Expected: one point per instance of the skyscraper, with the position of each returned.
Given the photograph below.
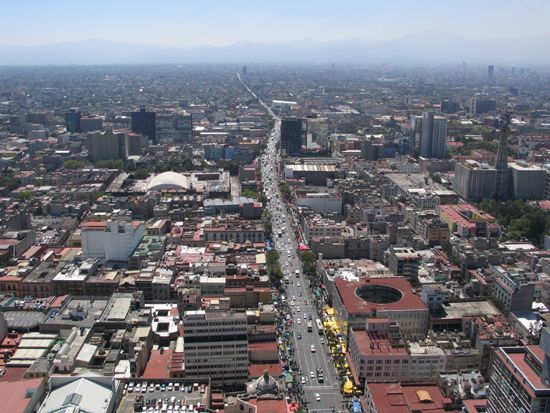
(433, 136)
(72, 120)
(490, 72)
(504, 173)
(292, 135)
(144, 122)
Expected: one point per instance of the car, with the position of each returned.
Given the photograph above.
(317, 397)
(303, 380)
(299, 285)
(312, 375)
(305, 316)
(299, 335)
(322, 340)
(312, 348)
(299, 321)
(297, 309)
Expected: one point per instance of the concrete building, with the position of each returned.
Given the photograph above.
(475, 181)
(433, 136)
(292, 136)
(110, 240)
(91, 123)
(216, 346)
(106, 145)
(144, 122)
(527, 181)
(392, 298)
(519, 379)
(320, 201)
(135, 145)
(403, 262)
(481, 104)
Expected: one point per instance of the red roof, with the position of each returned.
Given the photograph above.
(158, 366)
(356, 305)
(403, 398)
(14, 394)
(257, 370)
(93, 224)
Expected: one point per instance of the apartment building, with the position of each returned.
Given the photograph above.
(216, 346)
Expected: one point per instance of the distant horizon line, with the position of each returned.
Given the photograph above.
(269, 43)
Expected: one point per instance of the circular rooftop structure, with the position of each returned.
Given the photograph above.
(169, 180)
(379, 294)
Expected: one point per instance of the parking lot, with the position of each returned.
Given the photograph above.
(162, 396)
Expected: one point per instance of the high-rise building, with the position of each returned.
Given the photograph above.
(433, 136)
(216, 346)
(177, 126)
(72, 120)
(91, 123)
(110, 240)
(415, 124)
(449, 106)
(144, 122)
(106, 145)
(481, 104)
(475, 181)
(520, 378)
(504, 182)
(490, 72)
(292, 136)
(135, 144)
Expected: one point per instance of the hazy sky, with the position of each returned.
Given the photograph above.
(219, 22)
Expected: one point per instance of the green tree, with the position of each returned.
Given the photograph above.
(110, 164)
(249, 193)
(75, 164)
(141, 173)
(309, 260)
(24, 195)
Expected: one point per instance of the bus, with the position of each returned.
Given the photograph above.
(320, 328)
(309, 327)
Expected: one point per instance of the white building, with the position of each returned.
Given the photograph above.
(90, 392)
(110, 240)
(216, 346)
(320, 201)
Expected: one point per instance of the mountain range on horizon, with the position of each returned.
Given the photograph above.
(423, 48)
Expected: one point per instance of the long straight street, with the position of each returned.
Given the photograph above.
(310, 348)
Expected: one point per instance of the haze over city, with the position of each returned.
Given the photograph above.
(274, 206)
(402, 32)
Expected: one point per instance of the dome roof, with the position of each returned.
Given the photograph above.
(266, 385)
(169, 180)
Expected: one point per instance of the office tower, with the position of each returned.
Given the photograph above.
(475, 181)
(72, 120)
(433, 137)
(135, 144)
(177, 126)
(503, 189)
(490, 72)
(144, 122)
(415, 124)
(482, 104)
(292, 135)
(91, 123)
(216, 346)
(449, 106)
(106, 145)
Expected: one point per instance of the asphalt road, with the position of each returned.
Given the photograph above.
(286, 246)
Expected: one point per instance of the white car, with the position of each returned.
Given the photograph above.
(297, 309)
(299, 321)
(317, 397)
(312, 375)
(303, 380)
(312, 348)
